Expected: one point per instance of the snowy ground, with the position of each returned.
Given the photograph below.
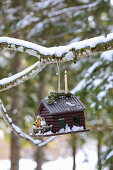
(86, 160)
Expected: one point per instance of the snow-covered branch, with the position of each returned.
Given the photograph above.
(52, 13)
(74, 9)
(71, 52)
(22, 76)
(80, 49)
(18, 131)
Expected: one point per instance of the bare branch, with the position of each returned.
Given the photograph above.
(18, 131)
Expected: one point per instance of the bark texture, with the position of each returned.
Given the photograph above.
(39, 154)
(99, 153)
(73, 142)
(16, 106)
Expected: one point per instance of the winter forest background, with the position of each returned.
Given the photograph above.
(52, 23)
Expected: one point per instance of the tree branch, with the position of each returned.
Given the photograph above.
(73, 9)
(18, 130)
(22, 76)
(74, 51)
(52, 14)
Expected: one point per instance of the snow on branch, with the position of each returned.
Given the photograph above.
(74, 9)
(51, 14)
(71, 52)
(22, 76)
(17, 130)
(81, 48)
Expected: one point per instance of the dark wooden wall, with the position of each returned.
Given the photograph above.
(53, 119)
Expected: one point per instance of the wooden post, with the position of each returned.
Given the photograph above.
(66, 85)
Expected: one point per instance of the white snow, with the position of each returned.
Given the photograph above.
(97, 82)
(48, 133)
(101, 95)
(68, 129)
(9, 119)
(3, 61)
(2, 135)
(61, 130)
(106, 87)
(46, 141)
(24, 22)
(59, 51)
(108, 55)
(17, 129)
(109, 37)
(4, 109)
(100, 107)
(24, 164)
(77, 128)
(110, 78)
(68, 56)
(45, 4)
(109, 155)
(88, 152)
(111, 1)
(18, 75)
(80, 85)
(73, 9)
(93, 105)
(92, 68)
(70, 104)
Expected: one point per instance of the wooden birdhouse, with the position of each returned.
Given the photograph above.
(63, 115)
(60, 113)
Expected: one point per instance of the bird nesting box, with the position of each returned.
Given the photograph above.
(63, 114)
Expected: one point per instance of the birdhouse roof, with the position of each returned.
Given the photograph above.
(63, 105)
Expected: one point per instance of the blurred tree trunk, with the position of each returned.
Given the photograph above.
(111, 166)
(39, 151)
(16, 117)
(39, 158)
(74, 148)
(74, 152)
(16, 102)
(99, 152)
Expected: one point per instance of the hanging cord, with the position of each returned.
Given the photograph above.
(58, 73)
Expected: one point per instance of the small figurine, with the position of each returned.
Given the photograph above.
(38, 121)
(40, 126)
